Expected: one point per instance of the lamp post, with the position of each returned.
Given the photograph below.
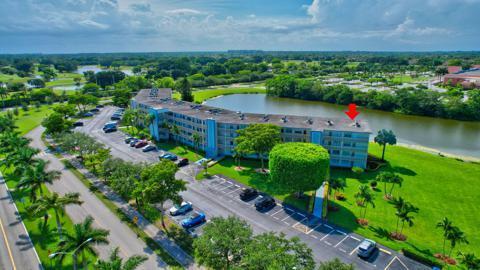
(73, 253)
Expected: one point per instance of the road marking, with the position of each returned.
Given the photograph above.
(344, 233)
(286, 223)
(328, 226)
(314, 228)
(354, 238)
(313, 236)
(385, 251)
(231, 191)
(300, 214)
(8, 245)
(237, 186)
(298, 222)
(226, 187)
(328, 243)
(286, 217)
(355, 249)
(326, 235)
(341, 241)
(342, 250)
(276, 213)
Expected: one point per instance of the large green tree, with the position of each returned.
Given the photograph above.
(185, 88)
(35, 177)
(158, 185)
(299, 167)
(56, 123)
(258, 139)
(223, 242)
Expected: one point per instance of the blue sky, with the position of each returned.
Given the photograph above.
(69, 26)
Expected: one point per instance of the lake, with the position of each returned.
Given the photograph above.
(82, 69)
(450, 136)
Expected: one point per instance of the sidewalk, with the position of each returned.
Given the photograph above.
(151, 230)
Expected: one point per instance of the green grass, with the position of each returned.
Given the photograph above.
(64, 79)
(407, 79)
(12, 78)
(45, 239)
(26, 121)
(180, 150)
(202, 95)
(439, 186)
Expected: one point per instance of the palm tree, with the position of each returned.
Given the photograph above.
(337, 184)
(81, 241)
(116, 263)
(404, 209)
(10, 141)
(6, 124)
(20, 159)
(57, 204)
(196, 141)
(469, 260)
(446, 226)
(456, 236)
(364, 197)
(395, 180)
(385, 137)
(36, 176)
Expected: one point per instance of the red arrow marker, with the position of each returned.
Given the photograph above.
(352, 111)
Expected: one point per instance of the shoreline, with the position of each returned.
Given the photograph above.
(438, 152)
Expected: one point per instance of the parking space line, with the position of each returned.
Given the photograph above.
(385, 251)
(313, 236)
(328, 226)
(276, 212)
(327, 235)
(300, 214)
(286, 217)
(225, 187)
(328, 243)
(395, 258)
(232, 191)
(218, 184)
(342, 250)
(355, 249)
(341, 241)
(311, 230)
(298, 222)
(355, 238)
(344, 233)
(237, 186)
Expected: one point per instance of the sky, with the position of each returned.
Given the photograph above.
(78, 26)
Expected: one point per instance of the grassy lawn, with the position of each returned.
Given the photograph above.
(438, 186)
(202, 95)
(65, 79)
(407, 79)
(30, 119)
(180, 150)
(12, 78)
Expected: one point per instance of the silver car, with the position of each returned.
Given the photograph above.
(366, 248)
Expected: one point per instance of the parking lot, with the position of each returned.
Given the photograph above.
(219, 196)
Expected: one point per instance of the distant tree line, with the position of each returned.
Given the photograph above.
(415, 101)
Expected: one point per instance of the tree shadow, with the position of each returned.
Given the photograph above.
(342, 216)
(381, 232)
(403, 170)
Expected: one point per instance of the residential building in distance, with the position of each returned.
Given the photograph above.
(346, 141)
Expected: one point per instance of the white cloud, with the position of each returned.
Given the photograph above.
(93, 24)
(184, 11)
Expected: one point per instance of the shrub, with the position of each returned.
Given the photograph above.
(421, 258)
(15, 111)
(25, 107)
(357, 170)
(298, 167)
(373, 184)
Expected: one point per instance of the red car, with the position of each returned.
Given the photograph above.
(141, 144)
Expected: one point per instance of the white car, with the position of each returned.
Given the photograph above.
(181, 209)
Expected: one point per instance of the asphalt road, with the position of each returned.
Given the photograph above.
(219, 197)
(120, 234)
(16, 248)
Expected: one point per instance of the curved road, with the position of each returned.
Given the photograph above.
(120, 234)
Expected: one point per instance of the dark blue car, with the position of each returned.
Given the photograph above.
(193, 220)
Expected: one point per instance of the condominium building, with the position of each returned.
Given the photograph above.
(346, 141)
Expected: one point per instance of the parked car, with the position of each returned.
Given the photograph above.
(129, 139)
(193, 220)
(110, 125)
(100, 106)
(182, 162)
(149, 148)
(366, 248)
(116, 117)
(133, 142)
(168, 156)
(78, 124)
(95, 110)
(181, 209)
(109, 130)
(264, 202)
(88, 114)
(248, 194)
(141, 144)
